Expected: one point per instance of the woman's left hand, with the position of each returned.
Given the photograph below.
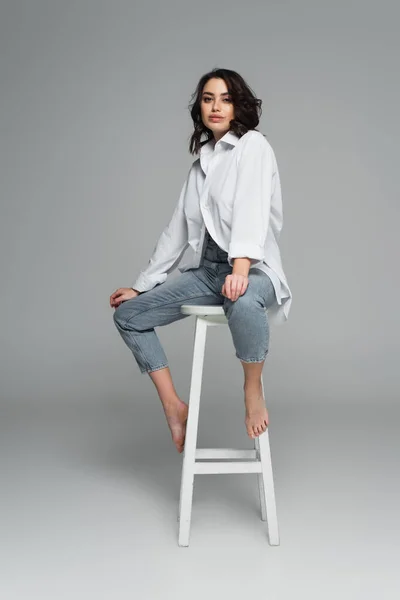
(234, 286)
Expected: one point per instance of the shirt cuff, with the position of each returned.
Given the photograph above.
(145, 284)
(243, 250)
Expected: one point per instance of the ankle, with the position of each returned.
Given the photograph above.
(252, 386)
(171, 402)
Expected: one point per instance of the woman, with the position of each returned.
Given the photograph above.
(229, 217)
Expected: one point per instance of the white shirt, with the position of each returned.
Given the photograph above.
(233, 189)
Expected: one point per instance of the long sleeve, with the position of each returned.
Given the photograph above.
(252, 200)
(168, 249)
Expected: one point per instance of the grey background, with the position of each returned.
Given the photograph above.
(94, 150)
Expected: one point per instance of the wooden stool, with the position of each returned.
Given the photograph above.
(257, 460)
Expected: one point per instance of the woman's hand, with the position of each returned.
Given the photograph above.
(234, 286)
(122, 294)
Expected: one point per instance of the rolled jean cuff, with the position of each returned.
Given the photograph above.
(151, 369)
(252, 360)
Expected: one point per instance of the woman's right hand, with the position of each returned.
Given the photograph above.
(121, 295)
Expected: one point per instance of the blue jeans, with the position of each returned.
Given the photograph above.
(247, 318)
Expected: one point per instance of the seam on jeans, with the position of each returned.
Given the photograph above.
(215, 275)
(168, 303)
(134, 343)
(139, 350)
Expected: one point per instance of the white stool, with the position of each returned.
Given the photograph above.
(257, 460)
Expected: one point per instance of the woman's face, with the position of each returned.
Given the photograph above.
(216, 102)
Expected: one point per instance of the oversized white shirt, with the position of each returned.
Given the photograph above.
(233, 189)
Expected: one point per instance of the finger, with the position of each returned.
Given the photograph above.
(118, 297)
(228, 289)
(233, 290)
(115, 298)
(242, 289)
(238, 291)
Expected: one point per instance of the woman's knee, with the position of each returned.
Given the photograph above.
(246, 304)
(124, 313)
(118, 316)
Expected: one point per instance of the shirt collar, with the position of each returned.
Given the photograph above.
(229, 137)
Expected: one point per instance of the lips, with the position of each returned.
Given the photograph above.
(216, 118)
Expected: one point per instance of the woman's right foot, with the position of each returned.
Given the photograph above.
(176, 414)
(256, 419)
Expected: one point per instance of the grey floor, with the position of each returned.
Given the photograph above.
(90, 494)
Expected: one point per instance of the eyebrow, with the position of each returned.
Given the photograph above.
(211, 94)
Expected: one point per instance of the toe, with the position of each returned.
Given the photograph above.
(249, 429)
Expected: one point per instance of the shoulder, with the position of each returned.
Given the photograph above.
(254, 143)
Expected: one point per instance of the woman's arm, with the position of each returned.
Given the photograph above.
(168, 249)
(252, 202)
(241, 266)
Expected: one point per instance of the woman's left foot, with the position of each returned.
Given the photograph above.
(256, 413)
(177, 414)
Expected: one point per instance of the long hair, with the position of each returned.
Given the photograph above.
(247, 107)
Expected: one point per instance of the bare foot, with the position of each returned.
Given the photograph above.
(176, 413)
(256, 413)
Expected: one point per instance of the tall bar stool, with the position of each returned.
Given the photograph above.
(219, 460)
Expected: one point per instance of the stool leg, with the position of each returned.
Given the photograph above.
(260, 483)
(267, 491)
(189, 456)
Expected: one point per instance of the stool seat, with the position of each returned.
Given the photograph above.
(197, 309)
(198, 461)
(214, 313)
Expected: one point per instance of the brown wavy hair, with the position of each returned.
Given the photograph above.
(247, 107)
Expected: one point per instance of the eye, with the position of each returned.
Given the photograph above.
(206, 98)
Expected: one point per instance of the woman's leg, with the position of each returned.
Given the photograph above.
(249, 326)
(136, 319)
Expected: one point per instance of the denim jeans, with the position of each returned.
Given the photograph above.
(247, 318)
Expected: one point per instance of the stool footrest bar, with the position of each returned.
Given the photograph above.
(224, 453)
(242, 466)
